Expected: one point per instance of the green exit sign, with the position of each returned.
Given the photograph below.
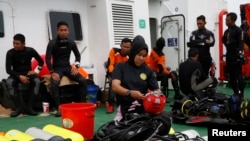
(142, 23)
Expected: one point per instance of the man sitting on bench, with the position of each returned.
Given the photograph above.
(18, 66)
(59, 50)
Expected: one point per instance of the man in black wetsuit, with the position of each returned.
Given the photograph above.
(18, 66)
(191, 76)
(59, 50)
(202, 39)
(233, 41)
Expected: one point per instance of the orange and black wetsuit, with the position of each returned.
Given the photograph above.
(114, 58)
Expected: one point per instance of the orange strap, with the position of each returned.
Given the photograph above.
(82, 71)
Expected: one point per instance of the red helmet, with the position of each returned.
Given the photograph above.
(154, 102)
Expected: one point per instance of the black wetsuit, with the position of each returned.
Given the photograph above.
(19, 63)
(198, 40)
(133, 77)
(233, 41)
(58, 51)
(186, 71)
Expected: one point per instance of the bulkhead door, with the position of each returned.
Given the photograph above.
(172, 30)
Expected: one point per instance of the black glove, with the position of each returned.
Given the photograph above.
(241, 58)
(215, 81)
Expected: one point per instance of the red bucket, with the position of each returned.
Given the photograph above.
(79, 117)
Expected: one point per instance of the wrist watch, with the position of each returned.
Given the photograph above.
(128, 93)
(39, 67)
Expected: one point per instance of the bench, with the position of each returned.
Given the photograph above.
(68, 88)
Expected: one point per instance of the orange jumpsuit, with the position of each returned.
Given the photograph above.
(114, 58)
(156, 61)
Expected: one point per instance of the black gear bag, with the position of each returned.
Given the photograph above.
(134, 127)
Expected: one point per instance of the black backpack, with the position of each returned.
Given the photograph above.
(134, 127)
(5, 99)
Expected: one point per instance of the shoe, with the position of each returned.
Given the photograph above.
(110, 109)
(31, 112)
(58, 113)
(16, 113)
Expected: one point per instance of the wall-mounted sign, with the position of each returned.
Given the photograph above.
(172, 42)
(142, 23)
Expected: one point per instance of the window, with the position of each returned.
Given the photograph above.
(73, 20)
(1, 25)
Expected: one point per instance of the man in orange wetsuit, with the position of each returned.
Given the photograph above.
(116, 55)
(156, 61)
